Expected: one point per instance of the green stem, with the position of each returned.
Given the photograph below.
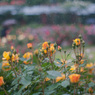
(5, 91)
(43, 88)
(13, 68)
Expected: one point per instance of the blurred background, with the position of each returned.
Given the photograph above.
(36, 21)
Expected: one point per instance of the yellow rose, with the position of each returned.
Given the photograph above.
(52, 49)
(27, 55)
(15, 57)
(6, 66)
(89, 65)
(82, 61)
(81, 69)
(36, 52)
(47, 79)
(74, 78)
(6, 55)
(77, 41)
(60, 78)
(45, 51)
(73, 68)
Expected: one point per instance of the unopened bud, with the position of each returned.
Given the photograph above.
(74, 43)
(80, 36)
(10, 54)
(59, 48)
(64, 51)
(55, 45)
(73, 46)
(49, 43)
(12, 47)
(14, 51)
(83, 42)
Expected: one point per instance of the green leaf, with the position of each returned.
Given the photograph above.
(91, 84)
(29, 68)
(0, 65)
(82, 65)
(52, 87)
(39, 93)
(15, 81)
(49, 92)
(22, 59)
(25, 82)
(65, 83)
(54, 73)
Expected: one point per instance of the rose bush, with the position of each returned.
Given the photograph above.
(37, 72)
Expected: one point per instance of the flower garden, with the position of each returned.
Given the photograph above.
(39, 71)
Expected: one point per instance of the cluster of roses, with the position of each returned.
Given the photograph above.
(48, 49)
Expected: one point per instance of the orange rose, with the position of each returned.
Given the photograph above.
(45, 45)
(12, 47)
(74, 78)
(1, 81)
(29, 45)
